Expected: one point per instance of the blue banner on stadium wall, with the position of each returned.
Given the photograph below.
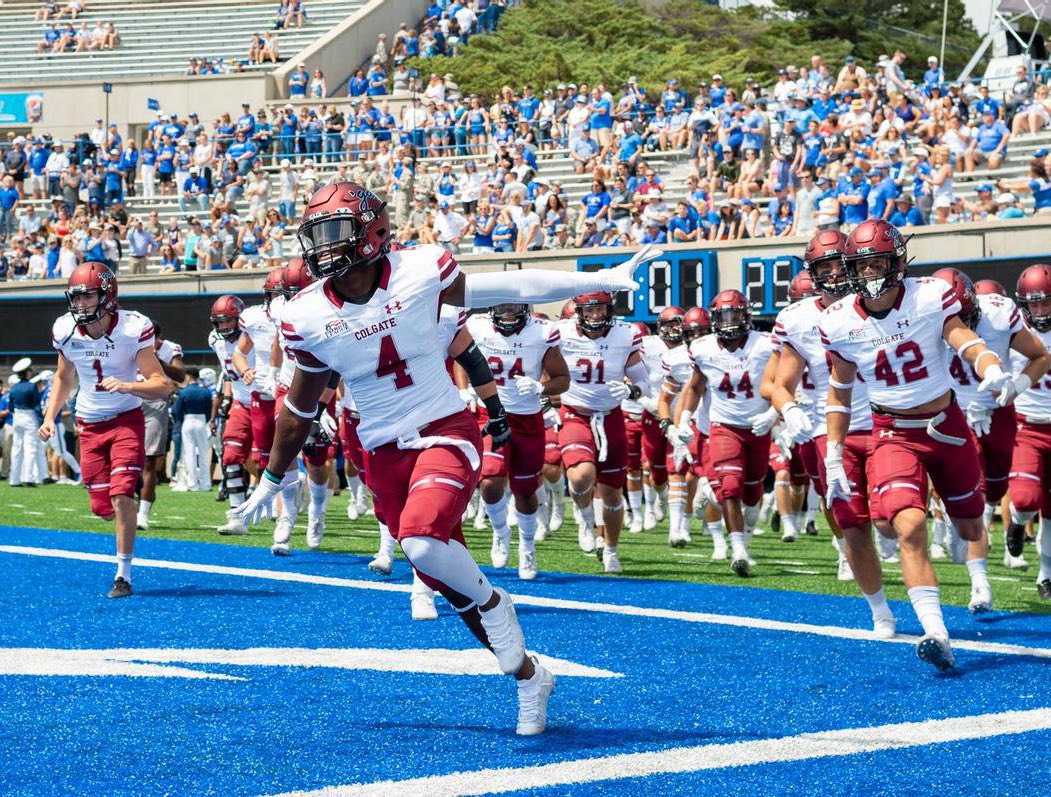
(687, 278)
(21, 108)
(765, 280)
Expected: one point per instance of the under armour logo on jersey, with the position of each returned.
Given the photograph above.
(393, 307)
(903, 323)
(886, 433)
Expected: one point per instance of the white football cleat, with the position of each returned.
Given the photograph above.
(362, 504)
(885, 627)
(422, 605)
(937, 552)
(533, 695)
(541, 530)
(611, 561)
(788, 535)
(499, 552)
(504, 633)
(280, 549)
(660, 509)
(649, 519)
(142, 523)
(636, 523)
(526, 563)
(479, 518)
(233, 526)
(1014, 562)
(283, 531)
(315, 532)
(957, 547)
(720, 552)
(558, 513)
(981, 599)
(382, 564)
(843, 571)
(352, 510)
(586, 537)
(935, 650)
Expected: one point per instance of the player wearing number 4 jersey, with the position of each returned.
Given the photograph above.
(373, 318)
(600, 352)
(892, 332)
(104, 347)
(999, 323)
(730, 364)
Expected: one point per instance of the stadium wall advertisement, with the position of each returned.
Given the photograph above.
(686, 275)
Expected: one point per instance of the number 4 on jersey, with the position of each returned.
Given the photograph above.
(744, 386)
(391, 364)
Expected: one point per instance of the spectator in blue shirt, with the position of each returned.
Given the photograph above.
(377, 78)
(114, 180)
(596, 202)
(753, 128)
(1036, 184)
(529, 106)
(881, 195)
(246, 121)
(630, 145)
(357, 86)
(934, 76)
(988, 144)
(243, 152)
(986, 103)
(683, 225)
(905, 215)
(585, 150)
(297, 82)
(287, 129)
(653, 234)
(194, 192)
(852, 193)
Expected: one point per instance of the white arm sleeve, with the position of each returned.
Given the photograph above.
(531, 286)
(639, 375)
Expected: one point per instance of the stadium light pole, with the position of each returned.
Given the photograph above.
(945, 22)
(107, 89)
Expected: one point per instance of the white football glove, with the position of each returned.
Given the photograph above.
(622, 277)
(470, 399)
(259, 503)
(329, 425)
(798, 425)
(619, 390)
(1019, 385)
(979, 418)
(836, 475)
(680, 454)
(764, 421)
(803, 400)
(680, 434)
(1001, 384)
(266, 379)
(649, 404)
(784, 443)
(528, 387)
(705, 491)
(552, 420)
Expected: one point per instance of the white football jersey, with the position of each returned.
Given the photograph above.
(733, 377)
(390, 350)
(1036, 401)
(653, 349)
(520, 354)
(114, 354)
(677, 367)
(902, 356)
(258, 324)
(999, 322)
(168, 351)
(224, 350)
(797, 326)
(593, 364)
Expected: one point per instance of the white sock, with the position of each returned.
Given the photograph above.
(387, 541)
(987, 515)
(800, 521)
(926, 602)
(1021, 518)
(813, 502)
(839, 545)
(557, 488)
(145, 507)
(676, 508)
(738, 546)
(612, 549)
(978, 569)
(450, 563)
(419, 587)
(938, 530)
(878, 604)
(587, 514)
(543, 500)
(649, 493)
(318, 499)
(715, 528)
(498, 517)
(1043, 545)
(635, 502)
(290, 501)
(790, 525)
(596, 510)
(124, 566)
(751, 516)
(526, 529)
(354, 485)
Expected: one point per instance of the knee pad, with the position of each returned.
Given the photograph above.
(235, 477)
(1025, 492)
(752, 493)
(897, 499)
(101, 503)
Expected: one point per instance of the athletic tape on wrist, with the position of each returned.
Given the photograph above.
(840, 385)
(968, 344)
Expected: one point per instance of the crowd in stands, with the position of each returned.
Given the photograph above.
(65, 38)
(821, 147)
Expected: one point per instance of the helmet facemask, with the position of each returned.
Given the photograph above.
(337, 242)
(868, 279)
(833, 282)
(731, 323)
(85, 315)
(588, 319)
(509, 318)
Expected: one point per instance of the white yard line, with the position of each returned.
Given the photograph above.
(677, 760)
(737, 621)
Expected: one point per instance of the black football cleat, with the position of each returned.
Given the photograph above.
(811, 528)
(1043, 589)
(775, 522)
(1015, 538)
(121, 588)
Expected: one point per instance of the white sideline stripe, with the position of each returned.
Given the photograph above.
(737, 621)
(825, 744)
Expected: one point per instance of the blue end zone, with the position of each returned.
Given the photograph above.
(286, 728)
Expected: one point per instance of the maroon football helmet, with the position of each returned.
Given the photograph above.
(344, 226)
(594, 299)
(801, 286)
(989, 287)
(297, 277)
(227, 308)
(1034, 285)
(274, 285)
(568, 310)
(669, 324)
(878, 241)
(541, 316)
(92, 278)
(824, 260)
(641, 328)
(696, 323)
(509, 318)
(731, 315)
(970, 312)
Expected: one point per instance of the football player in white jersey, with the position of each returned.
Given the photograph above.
(798, 341)
(527, 366)
(373, 318)
(104, 347)
(233, 406)
(999, 323)
(730, 365)
(1030, 480)
(892, 331)
(157, 416)
(600, 352)
(258, 330)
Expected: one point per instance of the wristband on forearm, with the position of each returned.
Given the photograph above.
(474, 364)
(272, 477)
(494, 406)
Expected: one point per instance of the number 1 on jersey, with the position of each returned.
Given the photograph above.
(97, 365)
(391, 363)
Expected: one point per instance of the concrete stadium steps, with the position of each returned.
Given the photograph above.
(159, 41)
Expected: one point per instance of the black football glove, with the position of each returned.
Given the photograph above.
(498, 429)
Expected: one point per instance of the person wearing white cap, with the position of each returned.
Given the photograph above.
(25, 421)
